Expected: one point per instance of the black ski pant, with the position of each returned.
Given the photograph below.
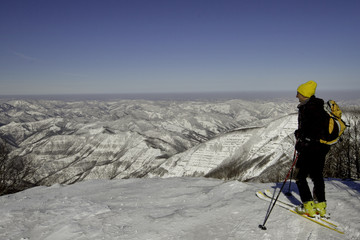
(310, 163)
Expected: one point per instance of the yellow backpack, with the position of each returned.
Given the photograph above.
(336, 125)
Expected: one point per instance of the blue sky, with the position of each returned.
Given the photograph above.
(139, 46)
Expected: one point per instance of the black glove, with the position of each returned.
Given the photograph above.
(299, 146)
(298, 134)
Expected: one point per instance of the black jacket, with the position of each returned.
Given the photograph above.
(312, 120)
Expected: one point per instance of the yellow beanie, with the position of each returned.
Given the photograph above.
(307, 89)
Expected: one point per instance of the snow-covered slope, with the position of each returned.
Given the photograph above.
(257, 148)
(172, 208)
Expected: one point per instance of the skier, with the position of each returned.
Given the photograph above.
(312, 120)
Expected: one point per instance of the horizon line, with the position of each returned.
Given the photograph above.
(176, 92)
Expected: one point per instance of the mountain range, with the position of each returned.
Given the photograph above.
(70, 141)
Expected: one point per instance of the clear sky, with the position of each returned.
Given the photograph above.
(148, 46)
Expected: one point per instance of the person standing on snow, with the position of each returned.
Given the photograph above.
(312, 122)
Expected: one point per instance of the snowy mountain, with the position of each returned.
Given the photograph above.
(70, 141)
(171, 208)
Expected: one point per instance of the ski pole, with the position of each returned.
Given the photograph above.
(292, 171)
(273, 204)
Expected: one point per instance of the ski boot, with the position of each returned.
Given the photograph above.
(308, 208)
(320, 208)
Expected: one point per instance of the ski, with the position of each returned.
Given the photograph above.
(291, 208)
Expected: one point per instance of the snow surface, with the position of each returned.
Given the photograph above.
(168, 208)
